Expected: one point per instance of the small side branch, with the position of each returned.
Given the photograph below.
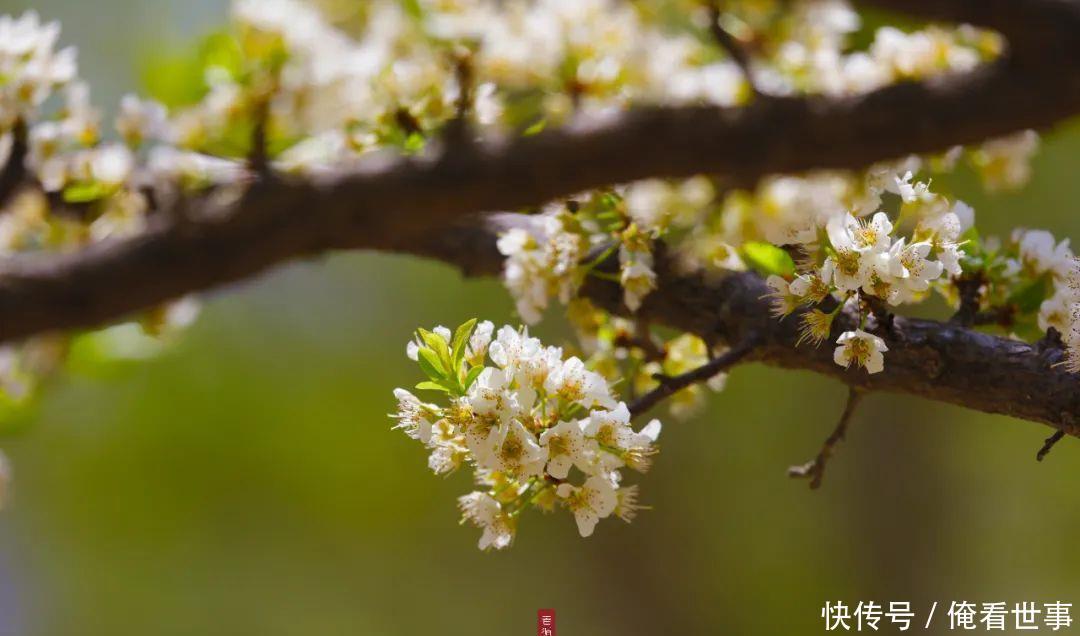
(814, 470)
(642, 339)
(259, 154)
(669, 385)
(1049, 444)
(969, 289)
(458, 129)
(731, 45)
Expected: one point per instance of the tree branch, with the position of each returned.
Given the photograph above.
(814, 470)
(1048, 445)
(669, 385)
(940, 361)
(428, 206)
(386, 202)
(731, 46)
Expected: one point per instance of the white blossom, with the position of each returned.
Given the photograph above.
(112, 164)
(141, 120)
(412, 416)
(479, 341)
(565, 444)
(636, 274)
(483, 511)
(1005, 163)
(1039, 251)
(910, 265)
(784, 301)
(592, 501)
(861, 349)
(513, 450)
(574, 383)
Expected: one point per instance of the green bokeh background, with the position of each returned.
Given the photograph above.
(246, 481)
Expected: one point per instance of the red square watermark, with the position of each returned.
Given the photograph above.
(545, 622)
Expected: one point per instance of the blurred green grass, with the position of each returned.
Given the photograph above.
(247, 480)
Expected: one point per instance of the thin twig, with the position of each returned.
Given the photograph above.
(731, 45)
(642, 339)
(1050, 341)
(884, 317)
(458, 129)
(969, 289)
(1049, 444)
(671, 384)
(1002, 316)
(259, 154)
(814, 470)
(464, 76)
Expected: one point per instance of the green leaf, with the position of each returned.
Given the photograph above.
(431, 386)
(222, 50)
(86, 192)
(173, 78)
(413, 9)
(461, 338)
(439, 346)
(1027, 328)
(472, 375)
(430, 364)
(767, 258)
(535, 129)
(1027, 298)
(414, 143)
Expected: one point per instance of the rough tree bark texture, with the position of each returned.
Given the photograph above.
(431, 206)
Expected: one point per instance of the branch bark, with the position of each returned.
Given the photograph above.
(670, 385)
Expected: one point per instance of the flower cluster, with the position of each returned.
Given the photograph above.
(540, 431)
(31, 66)
(553, 255)
(1045, 269)
(73, 184)
(65, 149)
(858, 257)
(542, 260)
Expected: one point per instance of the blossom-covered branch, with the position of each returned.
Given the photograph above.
(670, 385)
(935, 360)
(384, 202)
(387, 202)
(749, 176)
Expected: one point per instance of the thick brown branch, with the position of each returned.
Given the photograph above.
(386, 203)
(931, 359)
(1031, 26)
